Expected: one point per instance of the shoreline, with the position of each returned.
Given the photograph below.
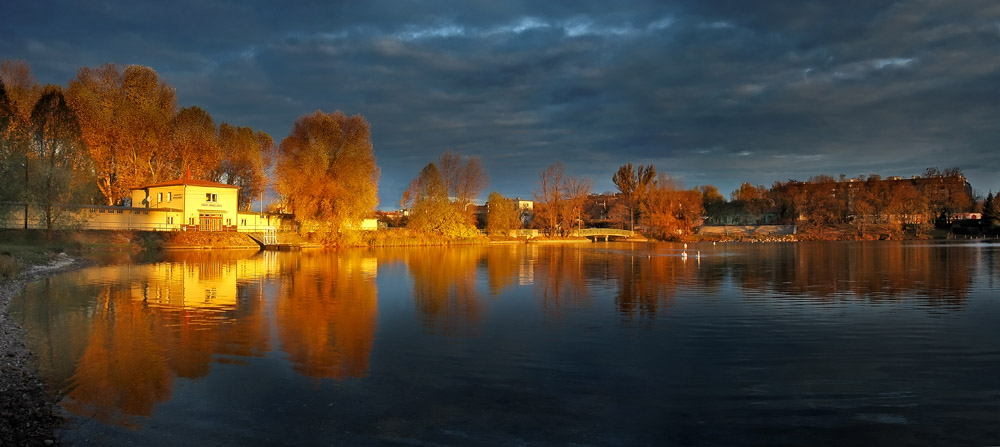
(30, 411)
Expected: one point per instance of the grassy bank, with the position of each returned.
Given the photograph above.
(20, 250)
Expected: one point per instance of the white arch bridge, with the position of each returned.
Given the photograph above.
(605, 234)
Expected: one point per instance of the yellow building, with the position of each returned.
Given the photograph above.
(203, 205)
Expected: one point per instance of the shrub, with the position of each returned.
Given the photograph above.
(9, 268)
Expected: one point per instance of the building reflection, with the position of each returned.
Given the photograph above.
(115, 337)
(143, 325)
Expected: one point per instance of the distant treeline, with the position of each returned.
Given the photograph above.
(862, 207)
(114, 128)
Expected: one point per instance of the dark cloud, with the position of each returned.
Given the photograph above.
(710, 91)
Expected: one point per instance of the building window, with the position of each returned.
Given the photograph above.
(209, 197)
(118, 211)
(170, 220)
(229, 222)
(243, 222)
(159, 197)
(191, 221)
(170, 197)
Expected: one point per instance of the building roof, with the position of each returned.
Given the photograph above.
(188, 182)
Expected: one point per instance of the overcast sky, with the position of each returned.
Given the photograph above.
(711, 92)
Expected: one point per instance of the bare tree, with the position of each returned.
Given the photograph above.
(560, 199)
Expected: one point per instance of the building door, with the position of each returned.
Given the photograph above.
(210, 222)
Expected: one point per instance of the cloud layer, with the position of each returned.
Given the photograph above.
(709, 91)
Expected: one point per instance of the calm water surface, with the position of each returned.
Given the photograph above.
(588, 345)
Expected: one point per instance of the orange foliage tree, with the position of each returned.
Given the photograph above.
(560, 199)
(671, 210)
(193, 139)
(326, 169)
(245, 156)
(125, 115)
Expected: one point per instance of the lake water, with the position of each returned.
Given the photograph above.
(605, 344)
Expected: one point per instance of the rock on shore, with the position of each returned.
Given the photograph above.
(28, 415)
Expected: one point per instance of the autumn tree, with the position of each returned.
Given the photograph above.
(326, 169)
(11, 154)
(502, 216)
(431, 211)
(22, 89)
(22, 93)
(671, 210)
(463, 177)
(61, 167)
(560, 199)
(193, 139)
(245, 156)
(634, 185)
(126, 117)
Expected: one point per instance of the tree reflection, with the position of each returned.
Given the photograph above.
(646, 285)
(146, 325)
(562, 272)
(123, 370)
(444, 288)
(503, 266)
(327, 314)
(872, 271)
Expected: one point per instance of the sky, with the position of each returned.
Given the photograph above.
(714, 92)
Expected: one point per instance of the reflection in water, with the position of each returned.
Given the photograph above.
(875, 272)
(123, 368)
(647, 285)
(327, 314)
(444, 287)
(561, 273)
(142, 325)
(116, 337)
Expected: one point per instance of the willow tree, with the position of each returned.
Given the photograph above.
(326, 169)
(245, 156)
(125, 118)
(60, 165)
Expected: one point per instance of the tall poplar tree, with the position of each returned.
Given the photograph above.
(60, 165)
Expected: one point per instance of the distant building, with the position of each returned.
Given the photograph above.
(524, 204)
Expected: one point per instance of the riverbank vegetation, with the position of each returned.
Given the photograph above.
(115, 127)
